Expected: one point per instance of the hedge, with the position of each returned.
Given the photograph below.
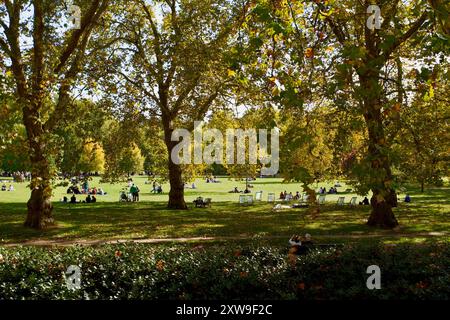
(133, 271)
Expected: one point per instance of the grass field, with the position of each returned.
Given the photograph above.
(425, 218)
(217, 191)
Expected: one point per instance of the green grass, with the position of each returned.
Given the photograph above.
(109, 220)
(217, 191)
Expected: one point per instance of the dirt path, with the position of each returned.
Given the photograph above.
(65, 243)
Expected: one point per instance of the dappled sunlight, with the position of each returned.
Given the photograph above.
(113, 220)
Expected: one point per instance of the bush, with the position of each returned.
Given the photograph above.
(131, 271)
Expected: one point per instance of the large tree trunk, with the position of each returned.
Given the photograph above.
(40, 209)
(39, 205)
(382, 215)
(176, 194)
(384, 196)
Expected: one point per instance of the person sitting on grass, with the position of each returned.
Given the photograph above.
(407, 198)
(199, 202)
(88, 199)
(11, 188)
(247, 191)
(123, 196)
(365, 202)
(301, 245)
(282, 197)
(73, 199)
(4, 187)
(235, 190)
(159, 189)
(94, 199)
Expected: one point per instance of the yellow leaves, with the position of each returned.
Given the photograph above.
(160, 265)
(397, 107)
(326, 14)
(276, 91)
(431, 92)
(309, 53)
(231, 73)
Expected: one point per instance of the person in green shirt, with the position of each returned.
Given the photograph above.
(133, 191)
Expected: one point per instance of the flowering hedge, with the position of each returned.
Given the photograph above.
(220, 272)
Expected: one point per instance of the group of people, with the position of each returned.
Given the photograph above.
(18, 176)
(289, 196)
(132, 195)
(332, 190)
(212, 179)
(10, 188)
(236, 190)
(73, 199)
(192, 186)
(90, 191)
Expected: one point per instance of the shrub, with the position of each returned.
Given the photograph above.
(133, 271)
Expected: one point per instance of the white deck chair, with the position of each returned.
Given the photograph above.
(305, 198)
(353, 202)
(258, 196)
(340, 201)
(242, 200)
(250, 199)
(271, 197)
(321, 199)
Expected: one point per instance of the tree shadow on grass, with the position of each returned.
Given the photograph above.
(109, 221)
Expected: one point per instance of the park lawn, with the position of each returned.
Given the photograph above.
(219, 192)
(110, 220)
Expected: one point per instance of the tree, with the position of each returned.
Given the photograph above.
(173, 64)
(49, 65)
(92, 158)
(305, 148)
(131, 160)
(423, 143)
(367, 53)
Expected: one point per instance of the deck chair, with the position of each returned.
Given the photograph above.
(353, 202)
(250, 200)
(258, 196)
(321, 199)
(242, 200)
(305, 198)
(340, 201)
(271, 197)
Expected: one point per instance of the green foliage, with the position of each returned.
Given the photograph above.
(256, 272)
